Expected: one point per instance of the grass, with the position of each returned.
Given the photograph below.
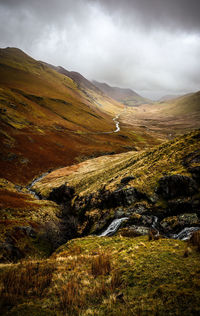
(25, 280)
(108, 276)
(101, 265)
(49, 122)
(146, 168)
(195, 240)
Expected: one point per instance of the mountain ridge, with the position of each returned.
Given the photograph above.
(124, 95)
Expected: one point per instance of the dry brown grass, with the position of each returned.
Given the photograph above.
(101, 264)
(28, 280)
(116, 280)
(70, 298)
(195, 239)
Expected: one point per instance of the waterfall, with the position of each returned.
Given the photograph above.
(185, 233)
(113, 227)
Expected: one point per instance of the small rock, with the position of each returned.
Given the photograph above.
(126, 180)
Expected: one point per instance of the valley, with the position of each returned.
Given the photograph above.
(99, 196)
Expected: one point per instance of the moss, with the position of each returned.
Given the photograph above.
(30, 309)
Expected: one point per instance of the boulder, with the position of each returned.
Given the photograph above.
(62, 194)
(126, 180)
(9, 252)
(175, 186)
(176, 223)
(140, 220)
(27, 230)
(180, 206)
(134, 231)
(195, 172)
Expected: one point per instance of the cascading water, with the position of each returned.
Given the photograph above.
(185, 234)
(113, 227)
(32, 184)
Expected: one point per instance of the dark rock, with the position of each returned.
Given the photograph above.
(62, 194)
(176, 186)
(195, 171)
(139, 208)
(134, 231)
(27, 230)
(126, 180)
(120, 213)
(123, 197)
(176, 223)
(106, 199)
(140, 220)
(192, 158)
(180, 206)
(10, 252)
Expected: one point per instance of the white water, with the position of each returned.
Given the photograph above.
(185, 234)
(113, 227)
(116, 123)
(34, 182)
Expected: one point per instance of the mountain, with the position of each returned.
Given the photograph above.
(97, 216)
(186, 104)
(166, 118)
(126, 96)
(169, 97)
(49, 120)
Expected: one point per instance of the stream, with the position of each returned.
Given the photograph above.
(113, 227)
(29, 187)
(184, 234)
(115, 119)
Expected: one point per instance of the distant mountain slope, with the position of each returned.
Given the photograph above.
(47, 121)
(126, 96)
(89, 90)
(169, 97)
(185, 104)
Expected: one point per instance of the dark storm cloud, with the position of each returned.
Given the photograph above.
(149, 45)
(181, 14)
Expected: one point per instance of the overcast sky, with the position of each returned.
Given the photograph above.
(151, 46)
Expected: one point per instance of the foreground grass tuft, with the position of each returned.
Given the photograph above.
(101, 264)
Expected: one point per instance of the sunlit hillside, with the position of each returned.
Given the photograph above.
(48, 121)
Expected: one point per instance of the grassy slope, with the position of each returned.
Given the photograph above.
(183, 105)
(20, 209)
(47, 121)
(106, 276)
(147, 167)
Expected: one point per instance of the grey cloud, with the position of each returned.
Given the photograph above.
(151, 46)
(182, 14)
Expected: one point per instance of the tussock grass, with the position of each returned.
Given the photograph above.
(140, 278)
(25, 280)
(101, 264)
(195, 239)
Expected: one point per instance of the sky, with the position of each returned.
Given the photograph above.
(150, 46)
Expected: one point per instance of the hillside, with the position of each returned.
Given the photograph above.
(48, 121)
(185, 104)
(99, 214)
(168, 118)
(126, 96)
(155, 195)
